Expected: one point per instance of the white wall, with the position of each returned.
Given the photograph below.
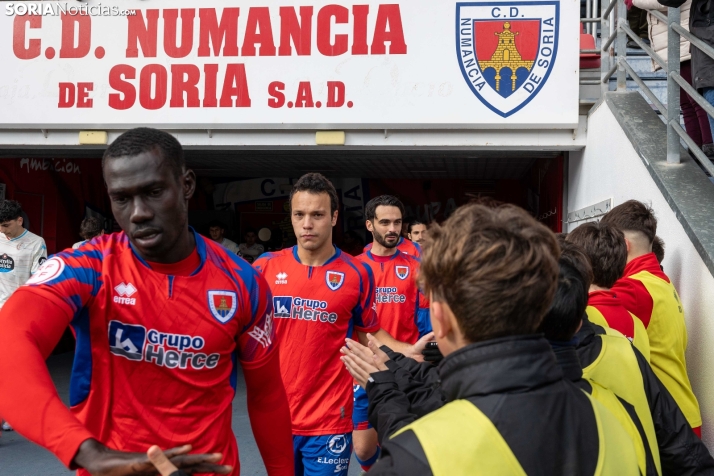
(609, 167)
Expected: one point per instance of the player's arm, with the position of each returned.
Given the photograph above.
(39, 255)
(423, 318)
(267, 401)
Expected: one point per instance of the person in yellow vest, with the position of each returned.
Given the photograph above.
(606, 249)
(491, 275)
(649, 294)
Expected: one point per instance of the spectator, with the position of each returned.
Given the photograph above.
(637, 19)
(249, 249)
(649, 294)
(499, 376)
(90, 227)
(217, 230)
(695, 118)
(417, 232)
(21, 254)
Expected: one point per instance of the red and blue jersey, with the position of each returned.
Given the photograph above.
(402, 309)
(405, 246)
(316, 308)
(156, 356)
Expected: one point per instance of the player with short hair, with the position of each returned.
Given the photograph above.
(320, 295)
(162, 318)
(417, 232)
(402, 309)
(408, 246)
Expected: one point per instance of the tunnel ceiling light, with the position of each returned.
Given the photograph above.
(330, 138)
(93, 137)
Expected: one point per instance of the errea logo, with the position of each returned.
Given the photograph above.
(125, 291)
(282, 278)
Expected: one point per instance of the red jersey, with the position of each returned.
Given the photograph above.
(402, 309)
(316, 308)
(156, 355)
(405, 246)
(605, 309)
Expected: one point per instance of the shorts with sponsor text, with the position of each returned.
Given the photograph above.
(325, 455)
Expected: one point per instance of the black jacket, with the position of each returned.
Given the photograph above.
(680, 449)
(546, 420)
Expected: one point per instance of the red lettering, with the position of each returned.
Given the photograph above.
(210, 72)
(184, 79)
(299, 31)
(324, 30)
(117, 82)
(83, 90)
(66, 95)
(258, 30)
(235, 85)
(215, 33)
(19, 37)
(277, 98)
(170, 36)
(142, 33)
(84, 24)
(304, 95)
(359, 41)
(389, 16)
(335, 94)
(153, 76)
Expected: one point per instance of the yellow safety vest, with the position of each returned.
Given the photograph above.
(616, 369)
(641, 339)
(668, 343)
(459, 440)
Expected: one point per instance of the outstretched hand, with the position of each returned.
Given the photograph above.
(360, 361)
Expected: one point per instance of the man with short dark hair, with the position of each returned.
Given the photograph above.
(417, 232)
(162, 318)
(250, 249)
(403, 245)
(606, 250)
(649, 294)
(88, 229)
(499, 376)
(217, 232)
(321, 295)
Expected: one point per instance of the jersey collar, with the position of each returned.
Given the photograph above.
(18, 237)
(200, 247)
(393, 257)
(337, 254)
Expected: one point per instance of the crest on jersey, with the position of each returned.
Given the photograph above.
(506, 50)
(402, 272)
(334, 280)
(223, 305)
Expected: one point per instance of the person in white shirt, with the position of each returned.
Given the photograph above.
(217, 230)
(250, 250)
(21, 254)
(90, 227)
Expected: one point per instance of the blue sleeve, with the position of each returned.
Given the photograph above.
(423, 317)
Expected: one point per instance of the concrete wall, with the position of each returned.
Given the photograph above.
(609, 167)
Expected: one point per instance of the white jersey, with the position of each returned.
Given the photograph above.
(19, 259)
(230, 245)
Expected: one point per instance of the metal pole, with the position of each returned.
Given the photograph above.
(605, 60)
(621, 45)
(673, 17)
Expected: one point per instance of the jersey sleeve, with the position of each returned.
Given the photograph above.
(39, 255)
(423, 318)
(364, 315)
(256, 340)
(635, 297)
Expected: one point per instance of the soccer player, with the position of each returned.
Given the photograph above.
(320, 295)
(417, 232)
(606, 250)
(408, 246)
(648, 293)
(402, 309)
(162, 318)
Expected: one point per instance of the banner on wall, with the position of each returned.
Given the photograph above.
(300, 64)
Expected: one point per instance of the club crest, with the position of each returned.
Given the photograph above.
(506, 50)
(223, 305)
(402, 272)
(334, 280)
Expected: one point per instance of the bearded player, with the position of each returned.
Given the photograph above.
(162, 319)
(320, 296)
(402, 310)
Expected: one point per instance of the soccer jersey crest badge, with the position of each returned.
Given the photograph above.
(223, 305)
(506, 50)
(334, 280)
(402, 271)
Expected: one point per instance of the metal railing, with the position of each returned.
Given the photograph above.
(614, 31)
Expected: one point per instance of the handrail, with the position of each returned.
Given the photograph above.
(648, 92)
(644, 47)
(708, 50)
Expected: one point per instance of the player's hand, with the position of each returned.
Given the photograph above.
(102, 461)
(380, 357)
(359, 361)
(415, 351)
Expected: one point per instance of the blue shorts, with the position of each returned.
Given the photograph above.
(360, 412)
(326, 455)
